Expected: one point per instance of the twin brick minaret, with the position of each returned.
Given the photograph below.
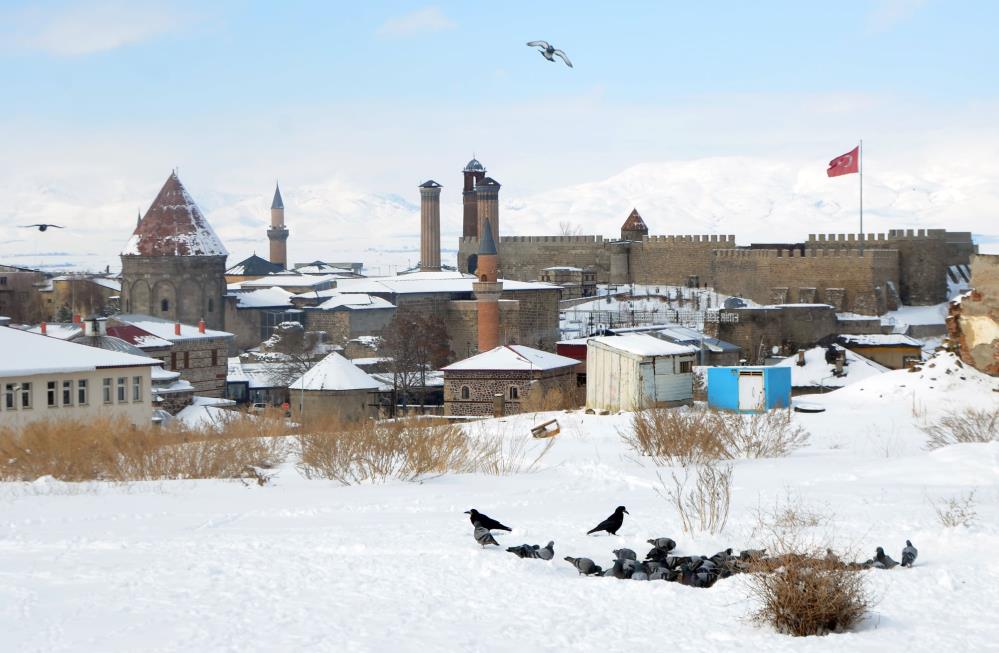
(278, 233)
(430, 226)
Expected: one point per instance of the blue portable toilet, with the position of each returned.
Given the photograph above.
(749, 389)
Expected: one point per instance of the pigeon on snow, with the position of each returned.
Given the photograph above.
(612, 523)
(524, 550)
(483, 536)
(884, 561)
(549, 52)
(909, 554)
(664, 543)
(547, 552)
(485, 521)
(584, 566)
(625, 554)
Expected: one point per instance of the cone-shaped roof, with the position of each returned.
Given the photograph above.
(174, 226)
(634, 222)
(430, 183)
(278, 203)
(486, 243)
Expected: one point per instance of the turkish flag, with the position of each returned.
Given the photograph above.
(845, 164)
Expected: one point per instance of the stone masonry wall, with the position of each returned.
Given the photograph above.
(524, 257)
(192, 286)
(483, 385)
(757, 330)
(671, 260)
(208, 380)
(973, 322)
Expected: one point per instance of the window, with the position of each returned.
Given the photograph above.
(121, 389)
(8, 401)
(106, 390)
(215, 357)
(173, 360)
(685, 367)
(514, 392)
(187, 360)
(67, 393)
(81, 392)
(25, 395)
(50, 394)
(136, 388)
(164, 305)
(3, 281)
(465, 392)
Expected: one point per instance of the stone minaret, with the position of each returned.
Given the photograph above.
(430, 226)
(487, 291)
(473, 173)
(278, 233)
(487, 199)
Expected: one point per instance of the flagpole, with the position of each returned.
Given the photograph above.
(860, 162)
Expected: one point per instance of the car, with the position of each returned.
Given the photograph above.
(258, 407)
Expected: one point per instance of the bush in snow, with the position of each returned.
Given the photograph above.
(963, 426)
(956, 511)
(704, 503)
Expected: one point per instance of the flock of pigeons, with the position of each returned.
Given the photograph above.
(660, 562)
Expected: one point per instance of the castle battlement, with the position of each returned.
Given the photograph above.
(893, 235)
(700, 238)
(882, 254)
(556, 240)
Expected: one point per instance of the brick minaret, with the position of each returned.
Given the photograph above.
(487, 291)
(278, 233)
(430, 226)
(473, 173)
(487, 196)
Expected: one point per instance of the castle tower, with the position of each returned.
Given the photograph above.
(473, 174)
(487, 199)
(634, 227)
(278, 233)
(430, 226)
(487, 290)
(173, 266)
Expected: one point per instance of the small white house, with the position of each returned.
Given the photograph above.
(634, 371)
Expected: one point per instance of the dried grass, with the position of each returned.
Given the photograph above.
(538, 401)
(956, 511)
(704, 504)
(963, 426)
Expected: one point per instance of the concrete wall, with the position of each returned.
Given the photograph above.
(138, 412)
(973, 322)
(193, 287)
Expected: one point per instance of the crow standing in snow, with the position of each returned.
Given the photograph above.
(483, 536)
(909, 554)
(612, 523)
(549, 52)
(486, 521)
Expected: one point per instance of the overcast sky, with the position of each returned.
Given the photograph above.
(101, 99)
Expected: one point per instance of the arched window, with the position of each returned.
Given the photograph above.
(465, 392)
(514, 392)
(484, 278)
(164, 305)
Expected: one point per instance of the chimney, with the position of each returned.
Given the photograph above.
(430, 226)
(43, 329)
(801, 357)
(201, 326)
(77, 319)
(176, 328)
(839, 363)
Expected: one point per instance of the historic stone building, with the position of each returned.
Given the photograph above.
(173, 266)
(973, 320)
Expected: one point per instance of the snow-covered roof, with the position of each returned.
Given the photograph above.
(136, 336)
(816, 372)
(334, 373)
(27, 353)
(174, 226)
(166, 329)
(563, 268)
(644, 345)
(60, 330)
(354, 301)
(290, 280)
(512, 357)
(110, 284)
(429, 282)
(264, 298)
(253, 265)
(256, 375)
(880, 340)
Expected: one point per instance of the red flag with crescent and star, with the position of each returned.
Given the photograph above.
(845, 164)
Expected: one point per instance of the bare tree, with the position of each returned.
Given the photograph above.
(567, 228)
(415, 342)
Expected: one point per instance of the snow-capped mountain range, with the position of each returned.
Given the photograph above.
(758, 200)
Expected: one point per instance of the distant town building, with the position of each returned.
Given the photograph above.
(334, 387)
(634, 371)
(575, 282)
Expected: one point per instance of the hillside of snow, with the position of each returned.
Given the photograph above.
(758, 200)
(309, 565)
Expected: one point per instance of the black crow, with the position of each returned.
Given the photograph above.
(486, 521)
(612, 523)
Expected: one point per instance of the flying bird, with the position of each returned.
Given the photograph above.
(40, 227)
(483, 536)
(549, 52)
(909, 554)
(486, 521)
(612, 523)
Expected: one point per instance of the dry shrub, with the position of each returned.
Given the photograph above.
(406, 449)
(695, 435)
(541, 401)
(803, 595)
(116, 450)
(956, 511)
(704, 505)
(963, 426)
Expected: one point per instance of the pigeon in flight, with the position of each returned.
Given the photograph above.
(486, 521)
(612, 523)
(909, 554)
(40, 227)
(483, 536)
(549, 52)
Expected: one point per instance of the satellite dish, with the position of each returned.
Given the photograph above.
(775, 350)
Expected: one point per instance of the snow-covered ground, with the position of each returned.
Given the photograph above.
(309, 565)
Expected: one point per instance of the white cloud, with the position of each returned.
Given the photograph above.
(889, 13)
(427, 19)
(79, 28)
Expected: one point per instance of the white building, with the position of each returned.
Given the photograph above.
(48, 378)
(634, 371)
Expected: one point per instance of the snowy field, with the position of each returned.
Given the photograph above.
(308, 565)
